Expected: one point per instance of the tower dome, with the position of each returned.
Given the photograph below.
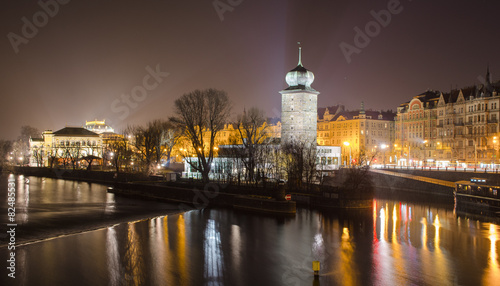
(299, 77)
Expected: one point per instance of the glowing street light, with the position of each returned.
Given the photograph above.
(423, 147)
(383, 147)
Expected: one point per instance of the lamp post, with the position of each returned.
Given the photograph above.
(409, 154)
(424, 150)
(350, 159)
(383, 147)
(495, 149)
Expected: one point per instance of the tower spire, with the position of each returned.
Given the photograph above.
(300, 54)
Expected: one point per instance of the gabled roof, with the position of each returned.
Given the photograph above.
(430, 96)
(75, 131)
(331, 109)
(370, 114)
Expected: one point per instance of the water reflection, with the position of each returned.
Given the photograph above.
(394, 243)
(113, 256)
(492, 273)
(214, 264)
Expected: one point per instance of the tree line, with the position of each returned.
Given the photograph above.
(199, 118)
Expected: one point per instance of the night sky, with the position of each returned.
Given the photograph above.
(83, 58)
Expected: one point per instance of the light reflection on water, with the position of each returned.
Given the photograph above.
(394, 243)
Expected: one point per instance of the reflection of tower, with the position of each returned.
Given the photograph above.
(299, 106)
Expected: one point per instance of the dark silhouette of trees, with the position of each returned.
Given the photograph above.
(300, 163)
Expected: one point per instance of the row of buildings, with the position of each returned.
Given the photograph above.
(431, 129)
(455, 128)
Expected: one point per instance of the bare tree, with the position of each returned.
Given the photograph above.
(37, 153)
(171, 137)
(310, 163)
(300, 163)
(5, 149)
(358, 180)
(22, 144)
(52, 156)
(144, 142)
(122, 151)
(73, 153)
(92, 153)
(166, 134)
(200, 113)
(252, 132)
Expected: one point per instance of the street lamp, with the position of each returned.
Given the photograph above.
(495, 149)
(424, 150)
(350, 159)
(383, 146)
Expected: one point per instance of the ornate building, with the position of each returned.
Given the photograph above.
(299, 103)
(98, 126)
(69, 143)
(446, 129)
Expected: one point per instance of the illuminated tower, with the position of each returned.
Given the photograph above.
(299, 106)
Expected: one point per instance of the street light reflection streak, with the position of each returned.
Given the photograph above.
(492, 273)
(157, 250)
(382, 258)
(399, 261)
(181, 242)
(348, 265)
(113, 256)
(236, 246)
(214, 264)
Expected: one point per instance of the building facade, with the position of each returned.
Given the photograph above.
(69, 143)
(459, 128)
(359, 132)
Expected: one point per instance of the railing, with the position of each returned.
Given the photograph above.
(496, 169)
(417, 178)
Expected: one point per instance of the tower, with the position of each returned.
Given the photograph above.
(299, 106)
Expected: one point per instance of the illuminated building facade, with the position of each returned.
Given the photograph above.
(446, 129)
(66, 143)
(98, 126)
(358, 132)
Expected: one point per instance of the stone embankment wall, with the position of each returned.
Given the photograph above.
(394, 184)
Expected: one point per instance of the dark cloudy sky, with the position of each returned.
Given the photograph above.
(80, 62)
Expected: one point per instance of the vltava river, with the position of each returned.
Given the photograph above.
(394, 243)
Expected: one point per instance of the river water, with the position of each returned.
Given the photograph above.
(393, 243)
